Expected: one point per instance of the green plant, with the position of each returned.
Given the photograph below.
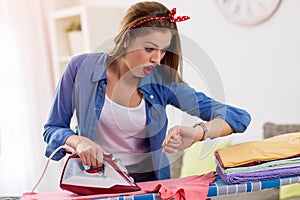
(73, 26)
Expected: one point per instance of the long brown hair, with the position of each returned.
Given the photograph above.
(144, 10)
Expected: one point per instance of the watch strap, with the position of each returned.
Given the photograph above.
(204, 128)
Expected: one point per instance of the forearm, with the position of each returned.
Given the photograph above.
(181, 137)
(215, 128)
(73, 141)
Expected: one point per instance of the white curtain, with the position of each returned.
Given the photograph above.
(26, 95)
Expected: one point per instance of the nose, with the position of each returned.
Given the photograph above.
(156, 56)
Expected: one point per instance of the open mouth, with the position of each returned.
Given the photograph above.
(148, 70)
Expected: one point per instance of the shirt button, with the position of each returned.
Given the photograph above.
(151, 97)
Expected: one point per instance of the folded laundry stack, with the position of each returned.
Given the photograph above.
(271, 158)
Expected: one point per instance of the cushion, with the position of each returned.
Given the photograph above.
(270, 130)
(200, 159)
(289, 191)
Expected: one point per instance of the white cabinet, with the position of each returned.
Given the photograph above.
(98, 25)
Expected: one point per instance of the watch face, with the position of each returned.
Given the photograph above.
(248, 12)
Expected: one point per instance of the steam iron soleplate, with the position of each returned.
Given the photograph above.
(114, 178)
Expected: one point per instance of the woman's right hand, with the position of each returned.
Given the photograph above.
(90, 153)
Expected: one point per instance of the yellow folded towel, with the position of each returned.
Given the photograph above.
(274, 148)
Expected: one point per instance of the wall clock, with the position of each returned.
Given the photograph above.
(248, 12)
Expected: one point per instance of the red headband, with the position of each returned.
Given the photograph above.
(171, 18)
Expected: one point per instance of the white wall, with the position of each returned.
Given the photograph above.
(259, 66)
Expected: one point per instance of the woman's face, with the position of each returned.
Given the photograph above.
(145, 52)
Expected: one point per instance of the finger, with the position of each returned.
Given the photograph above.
(88, 160)
(164, 143)
(168, 149)
(170, 141)
(99, 158)
(174, 145)
(94, 159)
(177, 139)
(83, 160)
(170, 134)
(83, 157)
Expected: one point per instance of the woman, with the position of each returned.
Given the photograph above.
(120, 99)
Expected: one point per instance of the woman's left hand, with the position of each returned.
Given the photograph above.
(179, 138)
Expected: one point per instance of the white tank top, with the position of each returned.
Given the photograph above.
(122, 130)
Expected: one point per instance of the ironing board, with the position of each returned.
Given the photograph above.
(220, 188)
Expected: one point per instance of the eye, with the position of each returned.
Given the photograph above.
(163, 51)
(149, 49)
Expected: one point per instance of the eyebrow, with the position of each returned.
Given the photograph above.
(157, 45)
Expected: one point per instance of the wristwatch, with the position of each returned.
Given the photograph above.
(202, 124)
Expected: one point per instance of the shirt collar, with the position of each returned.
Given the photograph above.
(100, 70)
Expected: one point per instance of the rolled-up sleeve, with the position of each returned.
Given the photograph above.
(198, 104)
(237, 118)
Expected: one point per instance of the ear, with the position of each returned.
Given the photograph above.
(126, 41)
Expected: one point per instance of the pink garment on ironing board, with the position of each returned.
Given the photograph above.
(188, 188)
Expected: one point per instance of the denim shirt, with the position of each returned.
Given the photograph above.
(82, 89)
